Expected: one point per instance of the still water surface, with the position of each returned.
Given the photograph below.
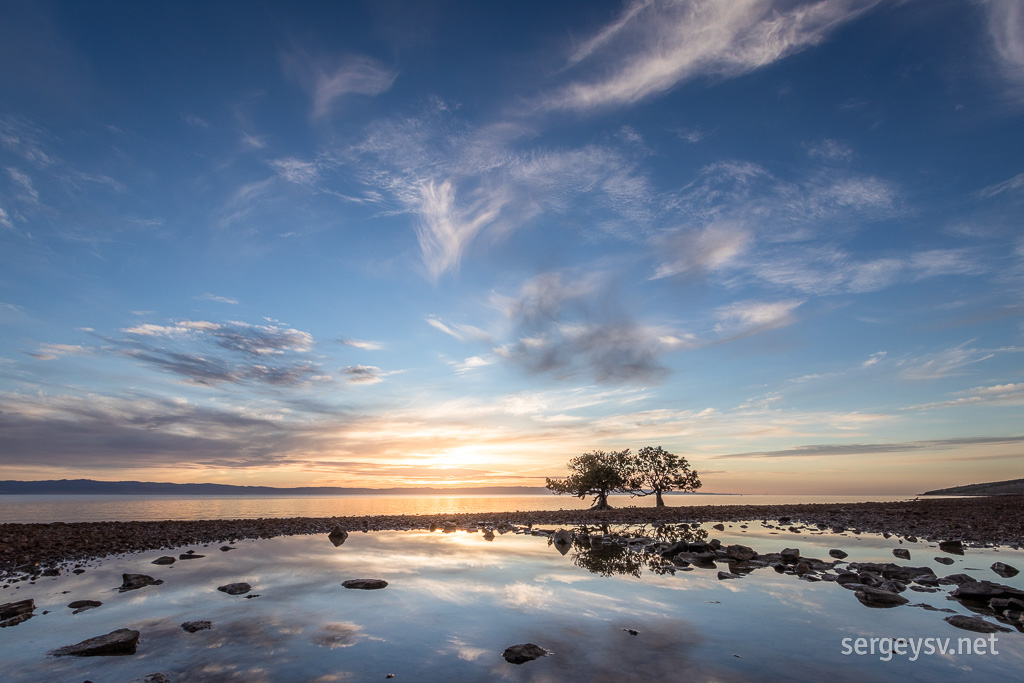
(88, 508)
(455, 601)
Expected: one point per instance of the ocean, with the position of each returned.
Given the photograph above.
(127, 508)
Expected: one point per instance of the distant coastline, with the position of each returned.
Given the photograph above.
(137, 488)
(1009, 487)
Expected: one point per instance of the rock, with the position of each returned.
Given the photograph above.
(152, 678)
(525, 652)
(727, 575)
(740, 552)
(838, 554)
(876, 597)
(82, 605)
(719, 527)
(193, 626)
(943, 560)
(13, 613)
(130, 582)
(1005, 570)
(976, 624)
(953, 547)
(562, 537)
(190, 555)
(985, 591)
(958, 579)
(365, 584)
(631, 631)
(488, 535)
(235, 588)
(790, 555)
(166, 559)
(901, 553)
(225, 548)
(339, 535)
(802, 568)
(123, 641)
(1001, 605)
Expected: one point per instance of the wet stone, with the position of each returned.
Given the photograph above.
(525, 652)
(365, 584)
(838, 554)
(876, 597)
(976, 624)
(235, 588)
(1005, 570)
(944, 560)
(14, 613)
(193, 626)
(130, 582)
(166, 559)
(901, 553)
(123, 641)
(82, 605)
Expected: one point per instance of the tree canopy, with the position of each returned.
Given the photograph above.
(653, 470)
(594, 474)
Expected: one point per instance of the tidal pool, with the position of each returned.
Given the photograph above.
(455, 601)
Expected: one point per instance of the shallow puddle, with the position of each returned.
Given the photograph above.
(455, 601)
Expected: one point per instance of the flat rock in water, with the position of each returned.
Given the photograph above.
(337, 536)
(790, 555)
(876, 597)
(727, 575)
(954, 547)
(901, 553)
(193, 626)
(524, 652)
(130, 582)
(235, 588)
(976, 624)
(13, 613)
(943, 560)
(740, 552)
(225, 548)
(985, 590)
(82, 605)
(189, 556)
(1005, 570)
(365, 584)
(123, 641)
(838, 554)
(166, 559)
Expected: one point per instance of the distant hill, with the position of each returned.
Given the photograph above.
(995, 488)
(93, 487)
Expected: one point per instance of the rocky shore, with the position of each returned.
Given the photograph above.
(42, 548)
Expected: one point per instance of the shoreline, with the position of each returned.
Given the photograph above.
(991, 520)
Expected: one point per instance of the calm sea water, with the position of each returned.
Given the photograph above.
(85, 508)
(455, 601)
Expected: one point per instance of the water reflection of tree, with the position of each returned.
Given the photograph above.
(604, 551)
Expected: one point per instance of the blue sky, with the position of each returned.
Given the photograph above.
(457, 243)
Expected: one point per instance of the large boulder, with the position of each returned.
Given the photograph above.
(130, 582)
(123, 641)
(524, 652)
(13, 613)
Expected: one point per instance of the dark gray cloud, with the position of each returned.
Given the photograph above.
(568, 328)
(209, 354)
(871, 448)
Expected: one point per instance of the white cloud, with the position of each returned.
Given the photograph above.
(53, 351)
(1011, 186)
(364, 345)
(296, 170)
(1006, 30)
(446, 229)
(28, 190)
(874, 359)
(654, 46)
(830, 150)
(219, 299)
(327, 81)
(5, 220)
(749, 317)
(712, 248)
(253, 141)
(945, 363)
(472, 363)
(195, 121)
(1000, 394)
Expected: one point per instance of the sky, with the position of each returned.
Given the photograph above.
(432, 243)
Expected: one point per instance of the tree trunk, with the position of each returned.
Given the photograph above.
(659, 502)
(602, 502)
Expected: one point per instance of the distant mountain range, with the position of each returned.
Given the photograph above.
(93, 487)
(995, 488)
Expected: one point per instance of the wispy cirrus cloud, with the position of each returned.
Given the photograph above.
(1006, 33)
(744, 318)
(328, 80)
(842, 450)
(366, 374)
(654, 46)
(949, 362)
(999, 394)
(219, 299)
(54, 351)
(364, 345)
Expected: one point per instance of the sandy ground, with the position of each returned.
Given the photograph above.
(994, 520)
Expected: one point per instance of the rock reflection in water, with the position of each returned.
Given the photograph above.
(629, 549)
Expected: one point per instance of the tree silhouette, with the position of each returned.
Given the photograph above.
(655, 470)
(594, 474)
